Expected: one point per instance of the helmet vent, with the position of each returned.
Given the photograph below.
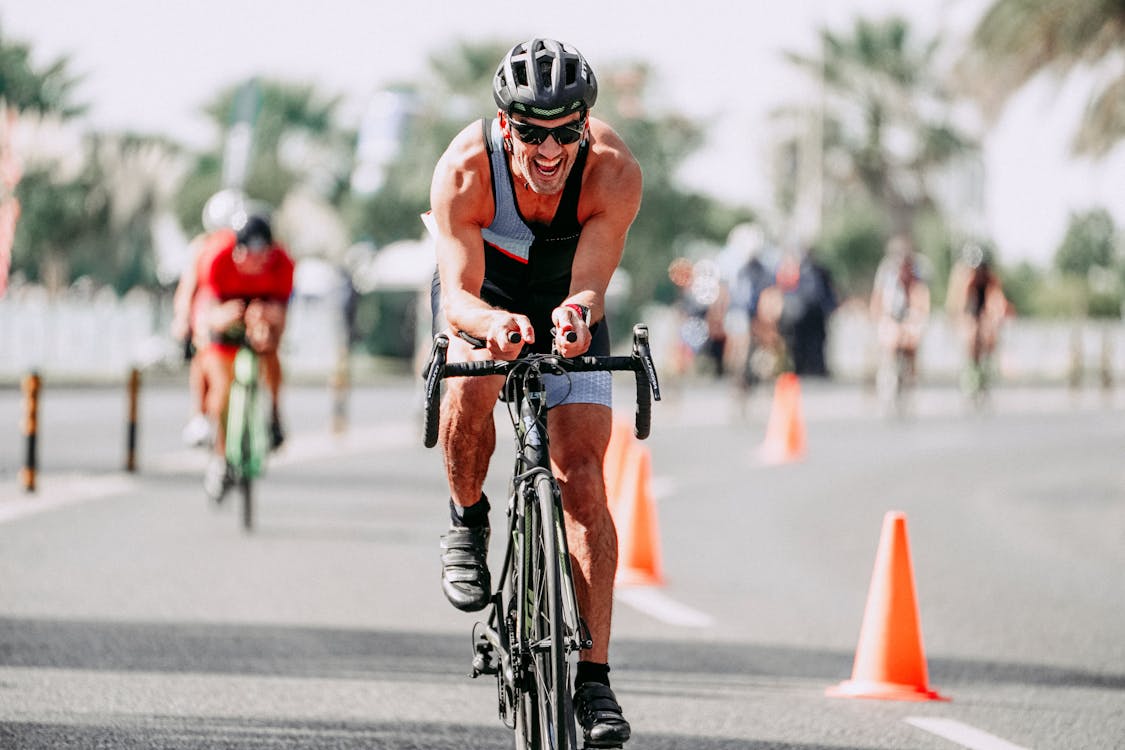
(571, 72)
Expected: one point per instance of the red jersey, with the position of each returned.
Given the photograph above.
(223, 279)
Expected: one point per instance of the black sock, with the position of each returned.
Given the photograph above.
(591, 671)
(474, 516)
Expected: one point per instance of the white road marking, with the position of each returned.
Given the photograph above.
(53, 492)
(656, 604)
(962, 734)
(56, 491)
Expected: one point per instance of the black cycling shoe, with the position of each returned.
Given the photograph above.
(464, 568)
(277, 435)
(597, 711)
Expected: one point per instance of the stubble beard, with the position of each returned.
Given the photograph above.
(540, 183)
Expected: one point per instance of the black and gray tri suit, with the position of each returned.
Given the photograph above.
(527, 265)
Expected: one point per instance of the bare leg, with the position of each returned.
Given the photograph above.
(579, 435)
(468, 435)
(218, 374)
(272, 377)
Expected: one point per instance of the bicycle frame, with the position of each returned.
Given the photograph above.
(246, 441)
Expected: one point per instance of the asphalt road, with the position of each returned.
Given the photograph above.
(133, 615)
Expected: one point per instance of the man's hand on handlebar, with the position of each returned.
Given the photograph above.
(506, 335)
(572, 334)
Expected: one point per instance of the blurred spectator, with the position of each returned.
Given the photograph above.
(701, 311)
(808, 301)
(753, 280)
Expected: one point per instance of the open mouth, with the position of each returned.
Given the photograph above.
(548, 169)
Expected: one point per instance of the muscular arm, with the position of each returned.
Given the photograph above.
(611, 197)
(460, 198)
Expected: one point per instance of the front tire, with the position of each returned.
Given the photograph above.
(546, 708)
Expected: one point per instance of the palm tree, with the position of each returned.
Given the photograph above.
(884, 124)
(296, 146)
(1016, 40)
(43, 215)
(26, 89)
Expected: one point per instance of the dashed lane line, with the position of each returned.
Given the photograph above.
(962, 734)
(656, 604)
(57, 491)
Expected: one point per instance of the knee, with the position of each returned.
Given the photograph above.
(217, 377)
(582, 482)
(471, 397)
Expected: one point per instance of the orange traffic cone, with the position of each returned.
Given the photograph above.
(890, 663)
(634, 514)
(785, 433)
(621, 441)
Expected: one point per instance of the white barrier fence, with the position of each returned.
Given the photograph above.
(102, 337)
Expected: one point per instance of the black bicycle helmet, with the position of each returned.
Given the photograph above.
(253, 231)
(545, 79)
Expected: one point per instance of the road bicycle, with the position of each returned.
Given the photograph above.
(247, 436)
(894, 383)
(534, 630)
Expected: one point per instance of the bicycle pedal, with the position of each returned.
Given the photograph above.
(482, 665)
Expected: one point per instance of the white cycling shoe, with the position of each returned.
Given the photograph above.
(197, 432)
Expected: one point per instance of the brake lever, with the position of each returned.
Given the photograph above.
(642, 350)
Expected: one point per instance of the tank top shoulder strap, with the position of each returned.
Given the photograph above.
(567, 213)
(508, 231)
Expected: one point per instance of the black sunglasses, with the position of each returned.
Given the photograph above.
(536, 134)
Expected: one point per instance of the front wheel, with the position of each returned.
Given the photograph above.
(245, 486)
(546, 710)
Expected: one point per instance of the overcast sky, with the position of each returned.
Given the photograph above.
(150, 64)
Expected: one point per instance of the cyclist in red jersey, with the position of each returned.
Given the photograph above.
(245, 281)
(186, 326)
(531, 209)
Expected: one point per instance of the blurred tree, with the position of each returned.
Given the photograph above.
(1088, 255)
(1090, 242)
(1016, 40)
(98, 221)
(51, 214)
(296, 143)
(60, 221)
(48, 91)
(851, 245)
(883, 125)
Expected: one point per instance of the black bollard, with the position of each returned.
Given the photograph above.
(30, 430)
(134, 387)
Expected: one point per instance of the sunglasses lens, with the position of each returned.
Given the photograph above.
(534, 135)
(568, 134)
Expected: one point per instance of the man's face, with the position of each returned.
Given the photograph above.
(544, 166)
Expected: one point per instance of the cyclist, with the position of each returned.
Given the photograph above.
(246, 279)
(977, 304)
(900, 307)
(531, 209)
(187, 306)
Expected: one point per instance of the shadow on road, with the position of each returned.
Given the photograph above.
(293, 651)
(206, 733)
